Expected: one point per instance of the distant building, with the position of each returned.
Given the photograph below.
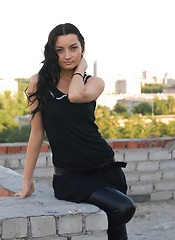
(129, 85)
(95, 68)
(23, 120)
(169, 89)
(8, 84)
(155, 78)
(120, 86)
(170, 81)
(108, 100)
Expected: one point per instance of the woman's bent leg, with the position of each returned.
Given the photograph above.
(118, 207)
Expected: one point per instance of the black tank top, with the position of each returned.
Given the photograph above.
(73, 136)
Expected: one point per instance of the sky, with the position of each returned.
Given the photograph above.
(123, 36)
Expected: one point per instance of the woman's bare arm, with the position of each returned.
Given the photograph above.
(34, 145)
(79, 92)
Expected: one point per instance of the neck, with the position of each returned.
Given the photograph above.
(66, 75)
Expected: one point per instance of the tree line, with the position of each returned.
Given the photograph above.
(126, 125)
(112, 123)
(10, 107)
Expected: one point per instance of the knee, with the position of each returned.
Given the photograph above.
(125, 211)
(128, 210)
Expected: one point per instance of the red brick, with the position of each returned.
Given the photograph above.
(121, 144)
(132, 144)
(23, 148)
(156, 143)
(3, 149)
(13, 149)
(44, 148)
(144, 144)
(110, 143)
(165, 142)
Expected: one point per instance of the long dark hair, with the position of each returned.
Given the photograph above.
(49, 73)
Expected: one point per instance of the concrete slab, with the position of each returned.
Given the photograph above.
(153, 221)
(41, 202)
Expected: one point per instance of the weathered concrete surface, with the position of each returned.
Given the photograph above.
(42, 216)
(152, 221)
(41, 202)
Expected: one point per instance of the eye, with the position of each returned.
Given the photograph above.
(74, 48)
(59, 50)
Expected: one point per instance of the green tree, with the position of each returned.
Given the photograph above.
(133, 128)
(15, 134)
(107, 122)
(8, 110)
(171, 104)
(160, 106)
(171, 129)
(156, 128)
(143, 108)
(120, 108)
(10, 107)
(152, 88)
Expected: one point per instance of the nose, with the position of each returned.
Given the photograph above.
(67, 54)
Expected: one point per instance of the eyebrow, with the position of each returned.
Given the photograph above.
(69, 46)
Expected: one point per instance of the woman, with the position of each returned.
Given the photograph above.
(62, 100)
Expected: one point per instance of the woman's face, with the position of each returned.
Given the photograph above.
(69, 51)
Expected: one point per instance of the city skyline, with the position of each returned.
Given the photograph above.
(123, 36)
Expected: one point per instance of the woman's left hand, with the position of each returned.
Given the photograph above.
(82, 66)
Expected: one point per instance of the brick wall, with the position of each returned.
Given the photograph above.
(42, 216)
(150, 175)
(150, 171)
(74, 227)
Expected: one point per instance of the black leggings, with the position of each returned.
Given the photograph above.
(118, 207)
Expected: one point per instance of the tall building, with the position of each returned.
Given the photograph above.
(95, 68)
(128, 85)
(120, 86)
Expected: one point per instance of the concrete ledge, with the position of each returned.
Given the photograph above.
(41, 216)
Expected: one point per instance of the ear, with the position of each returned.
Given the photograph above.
(83, 52)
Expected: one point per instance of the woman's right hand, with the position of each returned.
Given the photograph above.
(27, 188)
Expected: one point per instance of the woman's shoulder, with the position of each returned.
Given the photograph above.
(32, 83)
(93, 78)
(34, 78)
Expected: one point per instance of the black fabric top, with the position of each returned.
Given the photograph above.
(74, 138)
